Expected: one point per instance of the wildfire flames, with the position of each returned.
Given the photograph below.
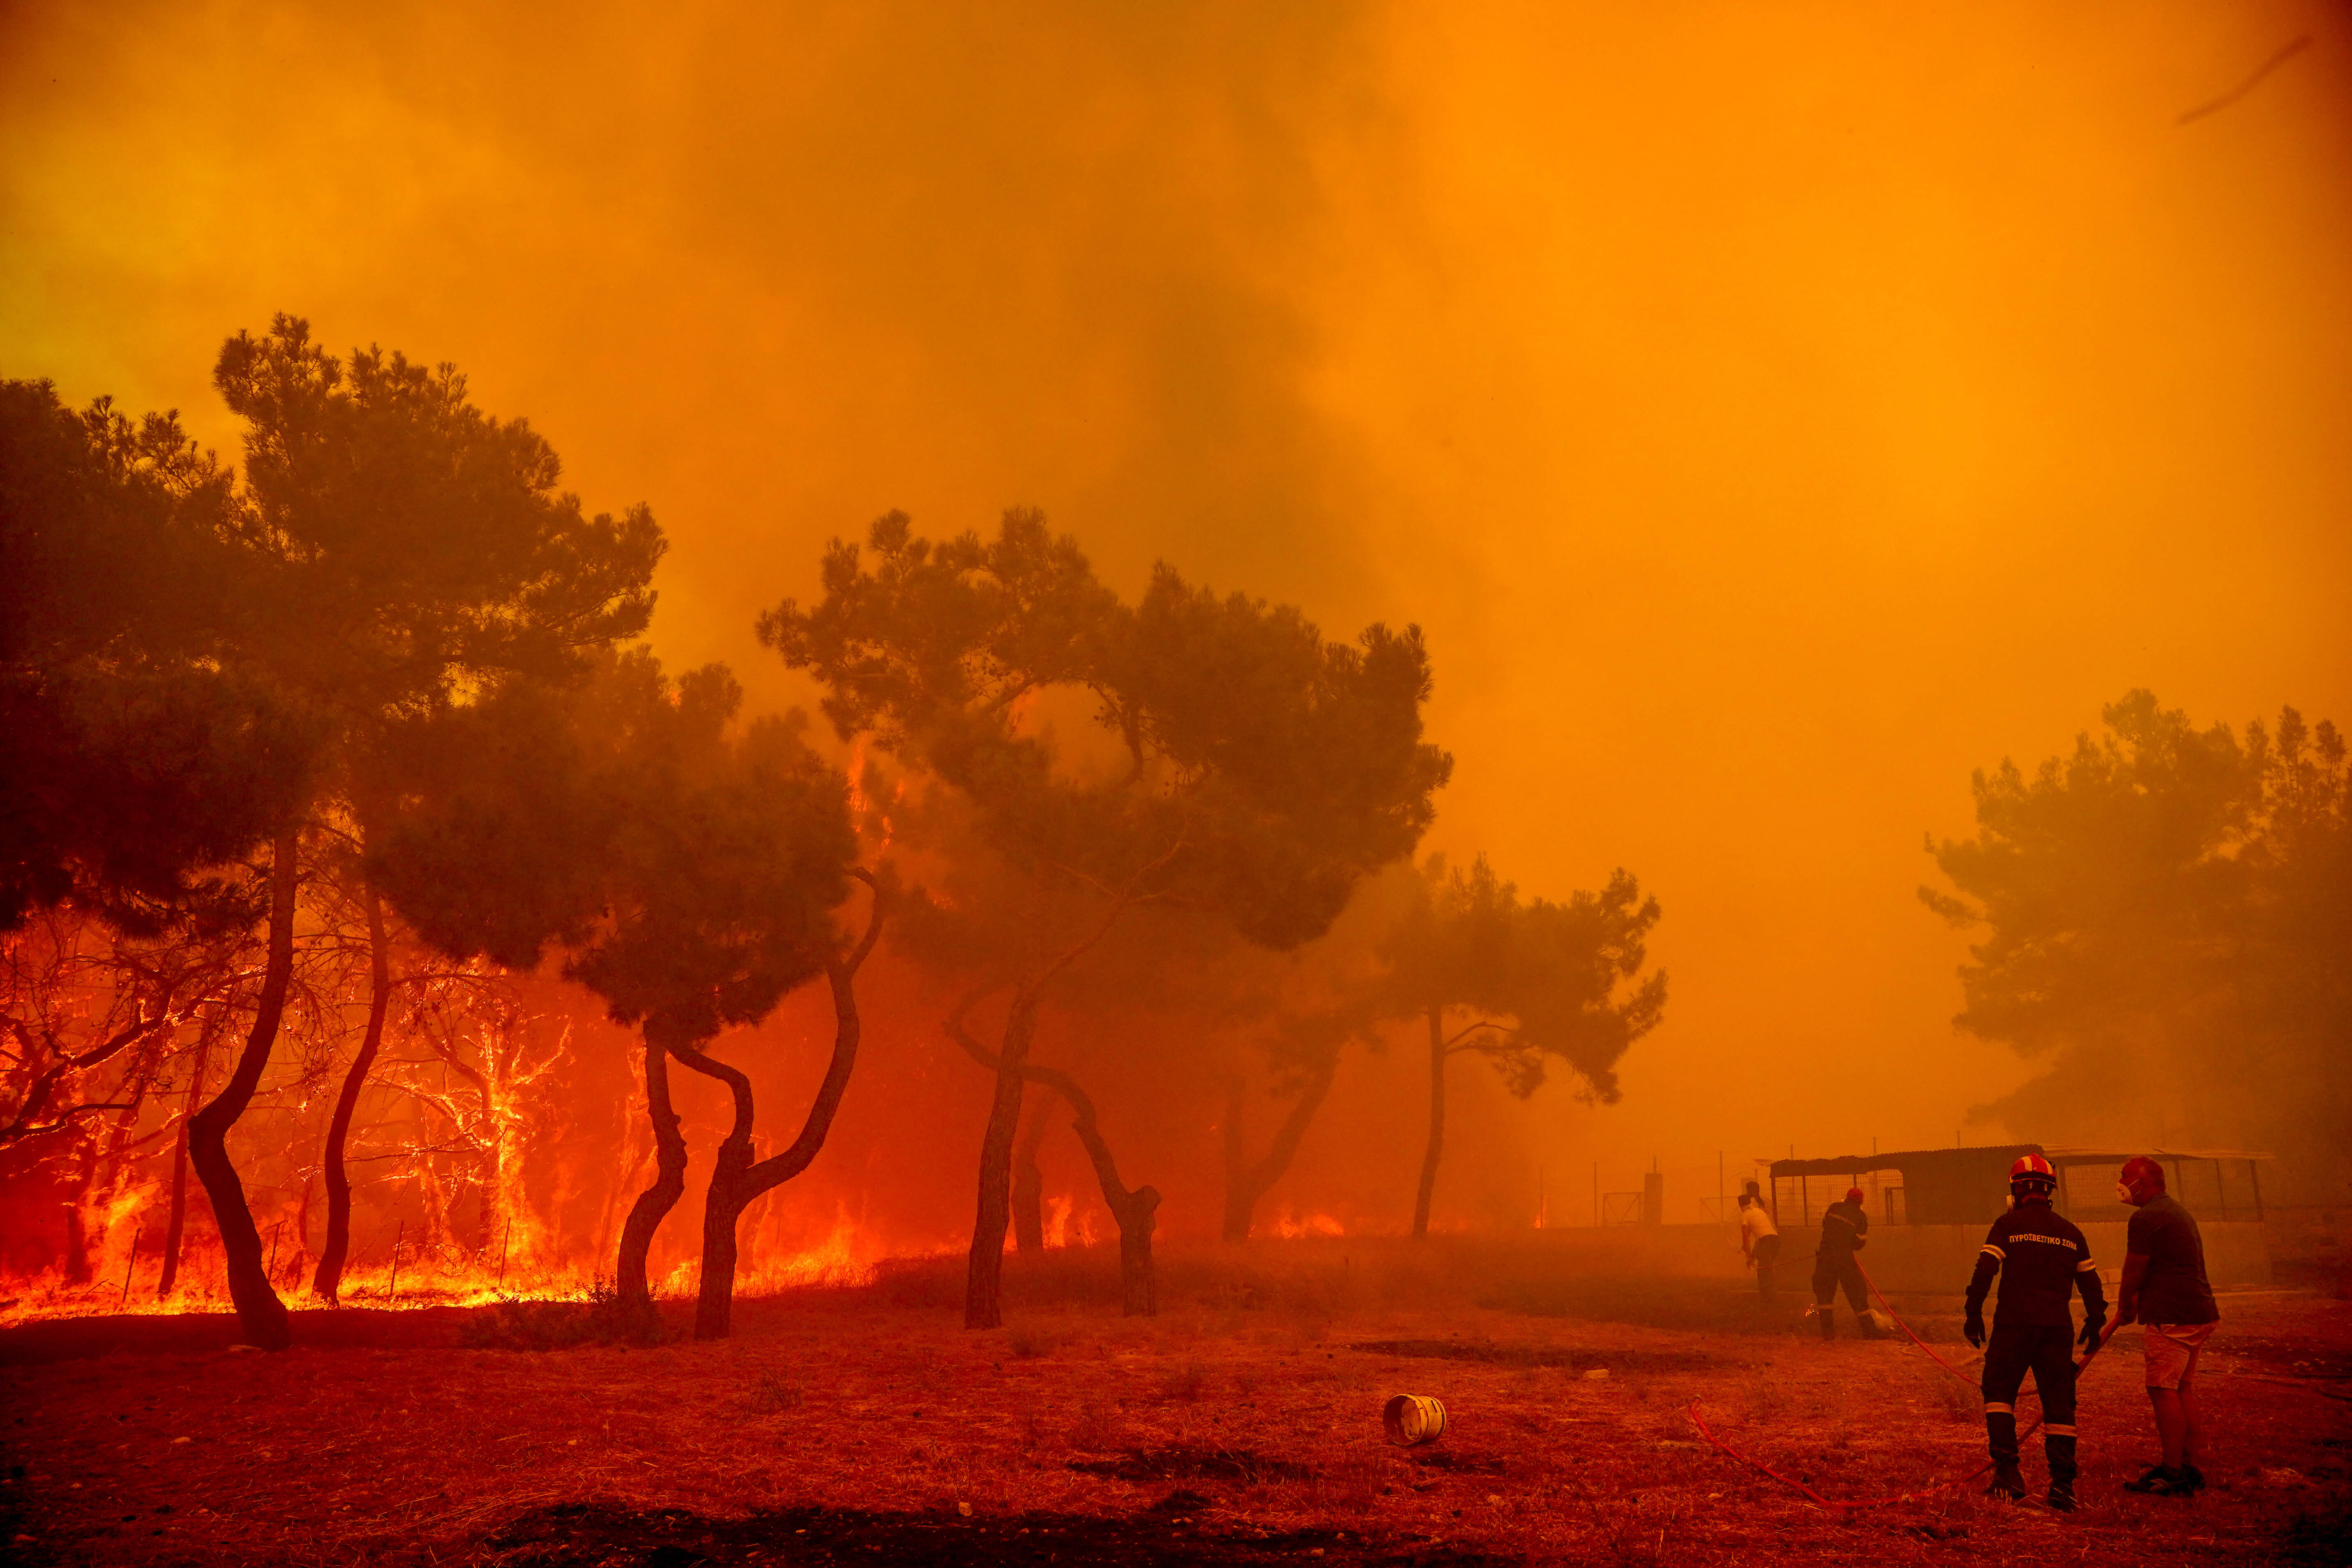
(122, 1239)
(1290, 1227)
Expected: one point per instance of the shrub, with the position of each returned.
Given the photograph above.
(602, 1319)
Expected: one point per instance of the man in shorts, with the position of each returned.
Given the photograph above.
(1759, 1240)
(2164, 1288)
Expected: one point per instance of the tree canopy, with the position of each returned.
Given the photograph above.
(1254, 773)
(1259, 770)
(688, 864)
(415, 544)
(1539, 984)
(139, 753)
(1555, 981)
(2163, 913)
(407, 549)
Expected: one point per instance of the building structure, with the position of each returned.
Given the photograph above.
(1929, 1207)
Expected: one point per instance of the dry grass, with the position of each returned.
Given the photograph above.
(1221, 1430)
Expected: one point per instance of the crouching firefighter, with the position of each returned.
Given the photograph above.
(2042, 1260)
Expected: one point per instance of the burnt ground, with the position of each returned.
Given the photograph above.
(578, 1535)
(1571, 1358)
(205, 1333)
(866, 1427)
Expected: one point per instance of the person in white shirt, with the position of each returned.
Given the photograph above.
(1759, 1240)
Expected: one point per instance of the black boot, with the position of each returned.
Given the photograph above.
(2058, 1447)
(2001, 1440)
(1828, 1322)
(2160, 1482)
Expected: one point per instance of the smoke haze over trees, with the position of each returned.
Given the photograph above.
(1259, 773)
(483, 781)
(2165, 916)
(1160, 856)
(1766, 421)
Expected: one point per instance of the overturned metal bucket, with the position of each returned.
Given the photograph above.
(1412, 1419)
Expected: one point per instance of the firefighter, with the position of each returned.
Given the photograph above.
(2042, 1259)
(1845, 1231)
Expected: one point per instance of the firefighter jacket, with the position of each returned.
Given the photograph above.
(1845, 1229)
(2042, 1259)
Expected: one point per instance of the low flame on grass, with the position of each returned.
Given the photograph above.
(1066, 1225)
(427, 1281)
(1290, 1227)
(448, 1275)
(847, 1256)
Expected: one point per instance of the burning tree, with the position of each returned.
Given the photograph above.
(105, 1026)
(1539, 983)
(411, 549)
(141, 761)
(689, 866)
(1324, 999)
(1157, 973)
(488, 1066)
(1252, 772)
(95, 1020)
(196, 666)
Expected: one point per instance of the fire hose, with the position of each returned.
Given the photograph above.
(1698, 1421)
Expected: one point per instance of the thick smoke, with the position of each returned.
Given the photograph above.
(1769, 423)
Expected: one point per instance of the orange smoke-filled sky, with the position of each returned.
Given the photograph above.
(1771, 413)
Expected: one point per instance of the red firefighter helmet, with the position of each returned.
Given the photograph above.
(2032, 1176)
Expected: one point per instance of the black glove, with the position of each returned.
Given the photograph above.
(1974, 1329)
(2089, 1338)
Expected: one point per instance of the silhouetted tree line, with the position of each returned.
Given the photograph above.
(359, 726)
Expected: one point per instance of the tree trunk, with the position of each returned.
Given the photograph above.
(1134, 1211)
(1138, 1285)
(1240, 1203)
(486, 1203)
(261, 1316)
(176, 1229)
(1436, 1123)
(735, 1179)
(111, 1171)
(329, 1280)
(1029, 1184)
(95, 1175)
(76, 1258)
(723, 1205)
(984, 1289)
(1247, 1186)
(653, 1204)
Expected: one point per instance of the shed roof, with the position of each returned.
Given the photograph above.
(2093, 1156)
(1895, 1159)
